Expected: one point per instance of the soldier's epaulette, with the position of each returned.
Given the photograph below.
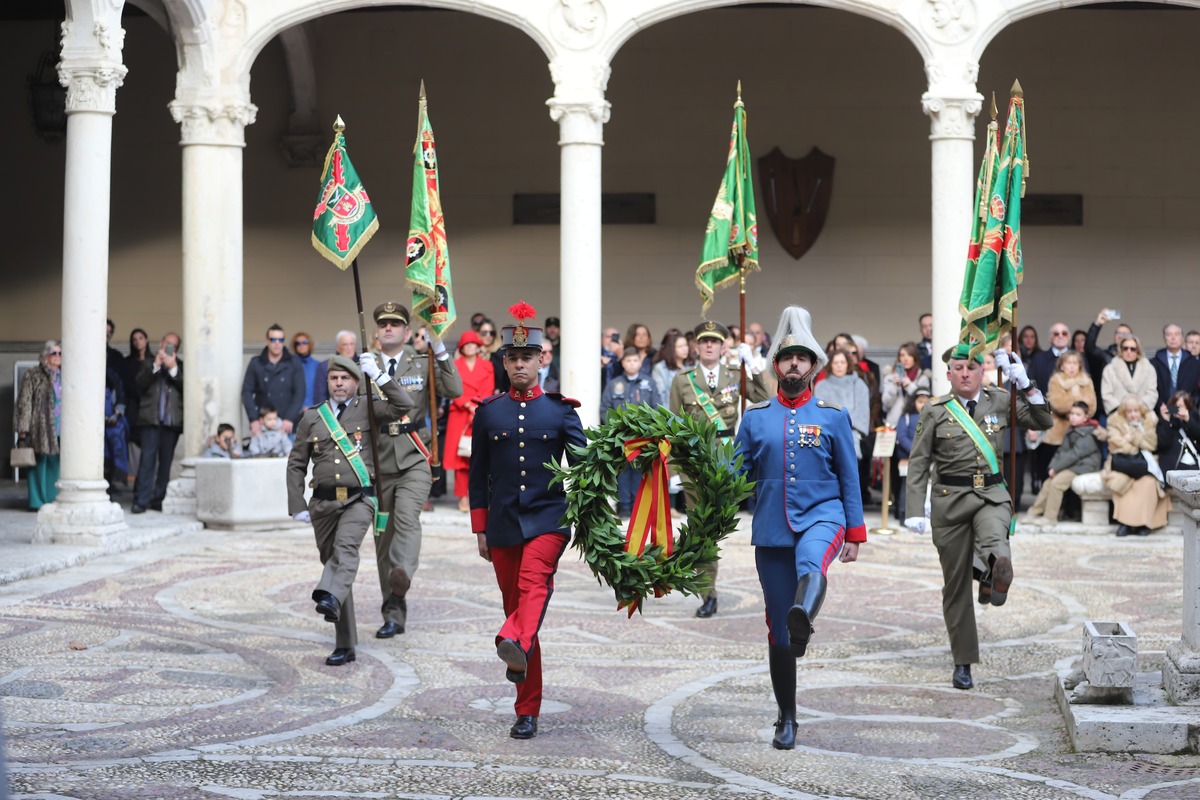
(572, 402)
(760, 404)
(483, 401)
(937, 401)
(692, 368)
(827, 404)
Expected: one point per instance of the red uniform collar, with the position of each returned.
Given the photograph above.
(804, 397)
(532, 394)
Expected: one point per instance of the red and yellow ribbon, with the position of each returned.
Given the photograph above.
(651, 517)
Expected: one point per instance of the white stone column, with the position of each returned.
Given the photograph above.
(1181, 670)
(952, 107)
(581, 114)
(213, 137)
(83, 512)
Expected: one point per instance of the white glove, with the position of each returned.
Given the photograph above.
(1013, 369)
(302, 516)
(439, 348)
(915, 524)
(745, 353)
(675, 485)
(369, 366)
(1001, 359)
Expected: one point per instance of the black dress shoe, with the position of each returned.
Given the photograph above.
(1001, 577)
(1142, 530)
(985, 591)
(329, 607)
(156, 505)
(513, 676)
(513, 656)
(342, 655)
(524, 728)
(785, 734)
(137, 509)
(1124, 530)
(962, 677)
(708, 608)
(389, 630)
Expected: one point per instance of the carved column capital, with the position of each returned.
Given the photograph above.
(951, 117)
(213, 123)
(91, 87)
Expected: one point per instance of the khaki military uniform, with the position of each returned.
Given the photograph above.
(971, 518)
(726, 397)
(405, 477)
(339, 525)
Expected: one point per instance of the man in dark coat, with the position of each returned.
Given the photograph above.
(160, 421)
(275, 377)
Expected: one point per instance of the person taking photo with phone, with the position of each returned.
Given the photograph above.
(160, 421)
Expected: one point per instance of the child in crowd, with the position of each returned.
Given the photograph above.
(906, 429)
(631, 386)
(1078, 454)
(224, 444)
(270, 440)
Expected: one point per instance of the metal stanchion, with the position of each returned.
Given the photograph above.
(885, 447)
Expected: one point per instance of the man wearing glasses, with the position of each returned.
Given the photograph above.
(404, 475)
(275, 377)
(1041, 367)
(487, 335)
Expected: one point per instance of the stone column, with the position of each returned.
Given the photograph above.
(91, 71)
(1181, 670)
(580, 113)
(952, 107)
(212, 338)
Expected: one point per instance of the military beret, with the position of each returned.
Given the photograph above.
(710, 330)
(390, 310)
(344, 364)
(961, 352)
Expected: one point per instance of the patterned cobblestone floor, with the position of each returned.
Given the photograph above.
(194, 668)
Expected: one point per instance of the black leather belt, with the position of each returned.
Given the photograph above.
(397, 428)
(342, 492)
(978, 480)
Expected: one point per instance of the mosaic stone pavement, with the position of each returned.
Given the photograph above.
(194, 668)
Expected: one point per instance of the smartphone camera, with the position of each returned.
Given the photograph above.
(1114, 313)
(616, 337)
(169, 349)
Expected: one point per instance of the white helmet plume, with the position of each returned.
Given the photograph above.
(795, 331)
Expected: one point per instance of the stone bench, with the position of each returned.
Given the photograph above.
(1094, 498)
(242, 494)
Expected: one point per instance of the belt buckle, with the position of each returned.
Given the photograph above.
(977, 480)
(341, 493)
(393, 429)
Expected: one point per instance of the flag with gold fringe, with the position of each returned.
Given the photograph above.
(731, 237)
(344, 219)
(427, 268)
(994, 264)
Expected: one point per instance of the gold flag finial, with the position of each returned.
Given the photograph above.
(739, 90)
(994, 111)
(422, 88)
(339, 124)
(1016, 90)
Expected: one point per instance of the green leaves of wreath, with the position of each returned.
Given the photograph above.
(699, 456)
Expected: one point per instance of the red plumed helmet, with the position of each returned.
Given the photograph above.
(522, 311)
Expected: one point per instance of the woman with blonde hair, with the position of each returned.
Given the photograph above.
(1129, 374)
(37, 420)
(1069, 384)
(1140, 501)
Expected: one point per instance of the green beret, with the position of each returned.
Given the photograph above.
(345, 365)
(961, 352)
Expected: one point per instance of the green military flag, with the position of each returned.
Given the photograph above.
(344, 219)
(994, 267)
(427, 269)
(731, 237)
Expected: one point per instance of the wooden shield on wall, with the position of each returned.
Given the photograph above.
(797, 193)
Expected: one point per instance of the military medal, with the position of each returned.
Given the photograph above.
(358, 439)
(993, 424)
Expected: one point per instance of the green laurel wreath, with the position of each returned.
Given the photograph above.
(706, 465)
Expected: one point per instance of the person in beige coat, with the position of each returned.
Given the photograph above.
(1128, 374)
(1139, 504)
(1069, 384)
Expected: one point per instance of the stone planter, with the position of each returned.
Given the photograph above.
(242, 494)
(1109, 654)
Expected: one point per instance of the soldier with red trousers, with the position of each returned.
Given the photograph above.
(515, 512)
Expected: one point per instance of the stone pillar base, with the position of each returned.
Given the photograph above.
(1181, 674)
(181, 492)
(82, 514)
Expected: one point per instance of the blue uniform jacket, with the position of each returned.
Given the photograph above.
(514, 436)
(803, 462)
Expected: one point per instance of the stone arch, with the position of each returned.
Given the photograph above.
(1033, 8)
(300, 11)
(677, 8)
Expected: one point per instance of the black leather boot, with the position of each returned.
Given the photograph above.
(783, 681)
(810, 593)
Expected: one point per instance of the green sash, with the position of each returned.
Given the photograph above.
(981, 443)
(353, 457)
(704, 400)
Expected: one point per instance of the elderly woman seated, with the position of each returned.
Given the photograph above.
(1140, 502)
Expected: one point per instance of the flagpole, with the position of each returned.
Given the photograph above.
(741, 261)
(434, 460)
(362, 329)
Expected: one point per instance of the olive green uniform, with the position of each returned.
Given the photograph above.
(339, 525)
(726, 397)
(405, 477)
(965, 519)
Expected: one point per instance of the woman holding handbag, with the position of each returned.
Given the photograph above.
(479, 380)
(37, 421)
(1140, 501)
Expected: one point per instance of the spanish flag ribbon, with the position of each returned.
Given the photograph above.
(652, 508)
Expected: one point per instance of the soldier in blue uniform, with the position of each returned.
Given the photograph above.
(515, 512)
(800, 453)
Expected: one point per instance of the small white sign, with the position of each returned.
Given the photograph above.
(885, 443)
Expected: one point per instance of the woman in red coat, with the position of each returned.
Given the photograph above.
(479, 381)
